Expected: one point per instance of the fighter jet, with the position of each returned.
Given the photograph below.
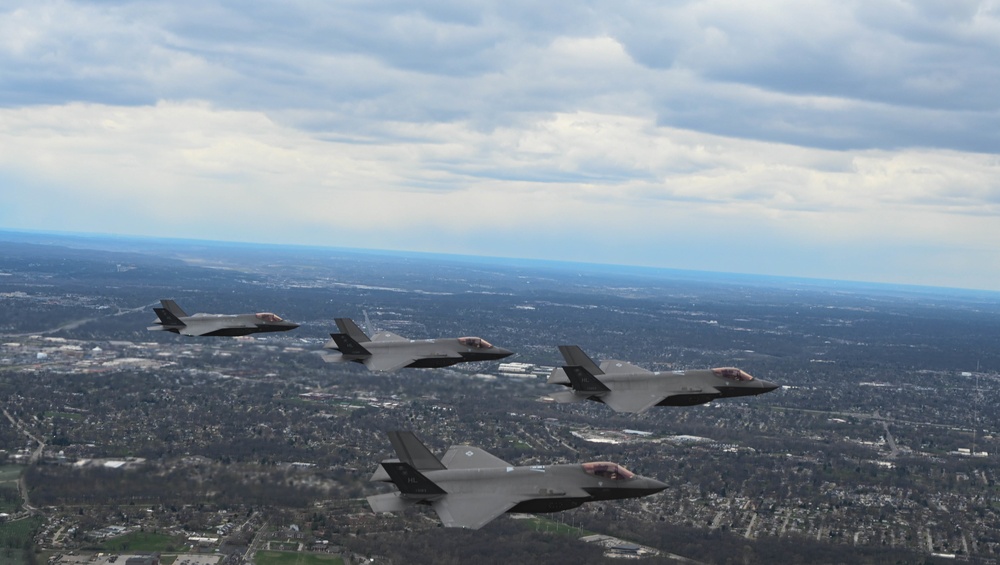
(386, 351)
(627, 388)
(173, 319)
(468, 487)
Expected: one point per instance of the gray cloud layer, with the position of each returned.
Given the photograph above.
(827, 74)
(832, 138)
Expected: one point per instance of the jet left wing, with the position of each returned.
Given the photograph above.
(210, 324)
(472, 511)
(391, 360)
(634, 402)
(388, 362)
(466, 457)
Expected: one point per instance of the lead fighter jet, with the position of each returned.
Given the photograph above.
(468, 487)
(173, 319)
(627, 388)
(386, 351)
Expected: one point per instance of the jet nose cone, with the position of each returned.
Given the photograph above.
(500, 352)
(768, 386)
(654, 485)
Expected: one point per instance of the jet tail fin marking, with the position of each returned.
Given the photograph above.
(347, 326)
(349, 347)
(411, 450)
(410, 481)
(583, 380)
(575, 356)
(173, 308)
(167, 318)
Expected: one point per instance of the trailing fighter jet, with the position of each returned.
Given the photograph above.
(627, 388)
(173, 319)
(386, 351)
(468, 487)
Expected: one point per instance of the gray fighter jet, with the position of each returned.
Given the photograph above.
(386, 351)
(627, 388)
(173, 319)
(468, 487)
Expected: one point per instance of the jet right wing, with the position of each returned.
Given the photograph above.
(472, 511)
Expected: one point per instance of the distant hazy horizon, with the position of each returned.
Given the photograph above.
(39, 236)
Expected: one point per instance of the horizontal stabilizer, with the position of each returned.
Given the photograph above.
(410, 481)
(567, 397)
(349, 346)
(391, 502)
(347, 326)
(584, 381)
(411, 450)
(575, 356)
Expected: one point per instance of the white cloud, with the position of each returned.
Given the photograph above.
(701, 134)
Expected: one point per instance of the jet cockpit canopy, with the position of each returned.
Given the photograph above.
(268, 317)
(608, 470)
(733, 374)
(475, 342)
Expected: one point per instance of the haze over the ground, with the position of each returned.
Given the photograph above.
(834, 139)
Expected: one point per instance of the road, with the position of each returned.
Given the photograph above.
(35, 456)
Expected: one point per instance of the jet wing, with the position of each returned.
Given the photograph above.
(208, 325)
(472, 511)
(613, 366)
(634, 402)
(388, 336)
(388, 361)
(393, 360)
(637, 401)
(466, 457)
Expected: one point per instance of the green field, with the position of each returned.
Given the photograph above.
(290, 558)
(145, 542)
(66, 415)
(10, 498)
(16, 540)
(10, 473)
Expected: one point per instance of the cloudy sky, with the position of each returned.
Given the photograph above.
(840, 139)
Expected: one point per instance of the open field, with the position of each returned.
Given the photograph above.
(289, 558)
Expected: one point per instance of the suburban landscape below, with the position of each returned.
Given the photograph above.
(118, 443)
